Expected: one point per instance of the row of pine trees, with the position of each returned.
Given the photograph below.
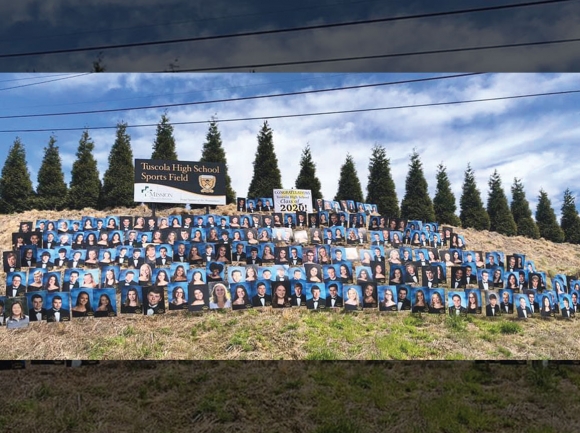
(116, 190)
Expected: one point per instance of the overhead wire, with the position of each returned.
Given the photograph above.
(242, 98)
(298, 115)
(283, 30)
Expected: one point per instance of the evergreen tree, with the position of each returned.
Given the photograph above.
(118, 190)
(307, 178)
(51, 190)
(348, 184)
(570, 221)
(472, 213)
(85, 185)
(520, 208)
(444, 200)
(214, 152)
(546, 219)
(417, 204)
(500, 215)
(381, 187)
(164, 144)
(266, 172)
(16, 192)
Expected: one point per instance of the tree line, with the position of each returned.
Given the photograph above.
(116, 190)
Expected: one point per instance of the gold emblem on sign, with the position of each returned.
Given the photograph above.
(207, 182)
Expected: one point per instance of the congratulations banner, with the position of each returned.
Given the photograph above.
(293, 200)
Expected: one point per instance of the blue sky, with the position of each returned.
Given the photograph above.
(532, 138)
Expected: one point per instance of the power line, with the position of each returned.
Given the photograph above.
(171, 23)
(323, 113)
(215, 89)
(33, 78)
(243, 98)
(44, 82)
(382, 56)
(286, 30)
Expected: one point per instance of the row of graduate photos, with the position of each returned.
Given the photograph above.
(338, 234)
(164, 254)
(82, 302)
(179, 223)
(431, 274)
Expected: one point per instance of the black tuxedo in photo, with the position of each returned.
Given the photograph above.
(482, 287)
(28, 263)
(159, 261)
(67, 286)
(409, 278)
(492, 311)
(64, 314)
(567, 313)
(20, 291)
(310, 303)
(136, 263)
(71, 264)
(509, 305)
(337, 303)
(536, 306)
(430, 283)
(157, 309)
(458, 284)
(61, 262)
(521, 312)
(471, 279)
(453, 310)
(294, 300)
(256, 261)
(238, 257)
(256, 300)
(46, 265)
(178, 258)
(50, 245)
(405, 304)
(33, 315)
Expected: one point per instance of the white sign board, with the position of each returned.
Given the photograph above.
(293, 200)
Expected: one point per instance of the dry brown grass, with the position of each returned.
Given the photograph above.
(299, 334)
(291, 397)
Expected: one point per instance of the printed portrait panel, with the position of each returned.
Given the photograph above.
(474, 302)
(82, 303)
(37, 307)
(353, 297)
(315, 296)
(457, 303)
(177, 296)
(566, 306)
(523, 307)
(198, 296)
(436, 300)
(153, 300)
(403, 297)
(58, 307)
(16, 313)
(419, 300)
(387, 298)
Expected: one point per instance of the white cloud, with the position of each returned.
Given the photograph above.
(531, 139)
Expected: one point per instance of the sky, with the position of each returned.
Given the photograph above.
(533, 139)
(33, 26)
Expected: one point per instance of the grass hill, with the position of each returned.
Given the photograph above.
(291, 334)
